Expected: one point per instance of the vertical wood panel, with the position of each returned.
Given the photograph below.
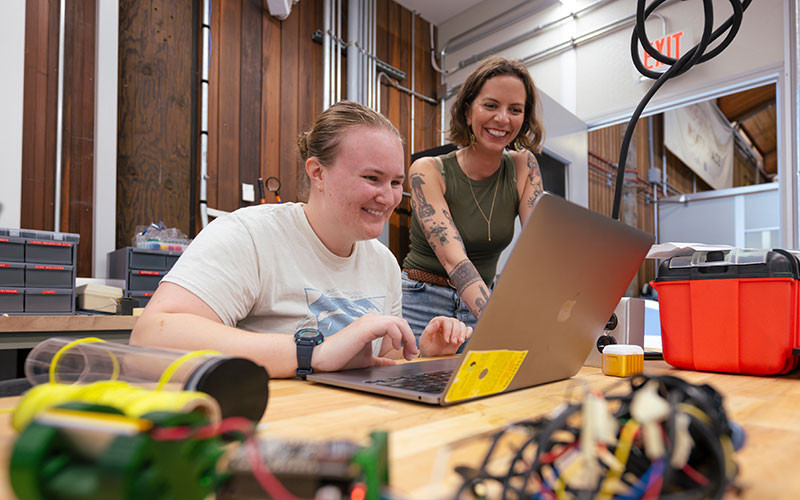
(78, 127)
(229, 49)
(250, 118)
(270, 98)
(39, 114)
(154, 116)
(289, 162)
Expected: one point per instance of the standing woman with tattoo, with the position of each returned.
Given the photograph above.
(464, 203)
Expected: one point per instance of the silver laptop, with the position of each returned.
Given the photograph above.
(563, 280)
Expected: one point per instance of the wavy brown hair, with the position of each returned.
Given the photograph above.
(531, 135)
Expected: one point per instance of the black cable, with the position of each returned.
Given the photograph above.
(696, 55)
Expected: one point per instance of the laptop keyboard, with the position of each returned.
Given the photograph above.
(432, 382)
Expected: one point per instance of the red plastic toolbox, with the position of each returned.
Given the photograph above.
(734, 311)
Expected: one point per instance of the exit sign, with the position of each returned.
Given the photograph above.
(669, 45)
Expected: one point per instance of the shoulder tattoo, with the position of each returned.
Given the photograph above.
(534, 179)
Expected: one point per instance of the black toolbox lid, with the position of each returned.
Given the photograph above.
(730, 264)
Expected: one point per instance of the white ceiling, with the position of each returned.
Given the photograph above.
(438, 11)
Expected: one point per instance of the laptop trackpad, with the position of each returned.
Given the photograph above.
(385, 372)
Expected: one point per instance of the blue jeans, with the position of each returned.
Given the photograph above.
(424, 301)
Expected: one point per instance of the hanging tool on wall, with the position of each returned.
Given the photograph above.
(261, 190)
(273, 185)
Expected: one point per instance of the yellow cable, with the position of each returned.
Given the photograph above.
(622, 453)
(132, 401)
(70, 345)
(173, 367)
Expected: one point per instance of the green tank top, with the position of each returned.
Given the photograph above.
(471, 225)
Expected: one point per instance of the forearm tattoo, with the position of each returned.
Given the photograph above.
(534, 179)
(463, 275)
(449, 218)
(423, 208)
(481, 302)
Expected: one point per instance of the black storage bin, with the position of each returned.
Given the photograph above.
(11, 300)
(12, 249)
(12, 274)
(49, 252)
(50, 300)
(49, 276)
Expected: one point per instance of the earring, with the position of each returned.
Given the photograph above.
(518, 145)
(471, 138)
(319, 188)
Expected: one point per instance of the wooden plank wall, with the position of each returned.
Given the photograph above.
(39, 114)
(39, 121)
(266, 88)
(154, 139)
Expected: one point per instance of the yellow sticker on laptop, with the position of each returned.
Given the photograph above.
(485, 372)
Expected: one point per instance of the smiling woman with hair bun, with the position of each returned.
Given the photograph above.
(302, 287)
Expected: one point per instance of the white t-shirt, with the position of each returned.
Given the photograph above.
(263, 269)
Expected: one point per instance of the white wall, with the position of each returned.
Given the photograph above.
(12, 62)
(598, 82)
(105, 136)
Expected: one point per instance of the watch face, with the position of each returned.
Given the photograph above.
(309, 334)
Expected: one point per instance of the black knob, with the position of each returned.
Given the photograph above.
(604, 340)
(612, 322)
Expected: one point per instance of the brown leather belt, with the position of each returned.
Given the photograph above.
(426, 277)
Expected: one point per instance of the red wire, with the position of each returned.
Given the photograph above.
(694, 475)
(550, 456)
(268, 482)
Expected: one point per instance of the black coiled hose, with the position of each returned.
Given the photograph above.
(695, 55)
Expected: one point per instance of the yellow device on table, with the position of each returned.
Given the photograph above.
(623, 360)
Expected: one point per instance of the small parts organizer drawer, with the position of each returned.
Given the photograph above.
(144, 280)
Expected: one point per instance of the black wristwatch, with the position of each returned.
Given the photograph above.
(306, 340)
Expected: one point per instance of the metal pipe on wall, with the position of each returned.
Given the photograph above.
(59, 117)
(338, 49)
(205, 34)
(353, 35)
(413, 87)
(326, 54)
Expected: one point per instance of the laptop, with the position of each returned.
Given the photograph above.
(564, 278)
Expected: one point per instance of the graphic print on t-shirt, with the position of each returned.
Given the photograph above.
(333, 309)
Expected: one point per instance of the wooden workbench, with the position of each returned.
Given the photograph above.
(21, 332)
(768, 408)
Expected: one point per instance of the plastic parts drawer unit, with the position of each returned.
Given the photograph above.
(142, 270)
(37, 271)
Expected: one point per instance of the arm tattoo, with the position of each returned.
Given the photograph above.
(464, 275)
(453, 225)
(424, 209)
(481, 302)
(534, 179)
